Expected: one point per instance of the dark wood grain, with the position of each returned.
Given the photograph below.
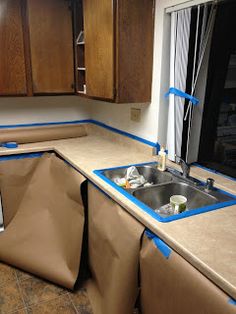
(99, 48)
(51, 43)
(134, 36)
(12, 59)
(25, 25)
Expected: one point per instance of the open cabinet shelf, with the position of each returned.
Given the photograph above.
(79, 47)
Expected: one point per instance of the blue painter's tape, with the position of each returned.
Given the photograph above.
(134, 137)
(127, 166)
(232, 301)
(179, 93)
(149, 234)
(151, 212)
(213, 171)
(162, 246)
(100, 190)
(21, 156)
(9, 145)
(28, 125)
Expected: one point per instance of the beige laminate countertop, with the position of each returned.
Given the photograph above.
(207, 241)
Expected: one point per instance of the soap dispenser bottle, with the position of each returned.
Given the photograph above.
(161, 159)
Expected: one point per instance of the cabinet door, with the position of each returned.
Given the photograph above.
(51, 43)
(134, 42)
(12, 59)
(170, 285)
(114, 244)
(99, 48)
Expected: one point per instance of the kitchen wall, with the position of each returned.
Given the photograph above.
(153, 124)
(17, 110)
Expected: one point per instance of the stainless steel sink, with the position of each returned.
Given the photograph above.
(150, 173)
(157, 196)
(164, 185)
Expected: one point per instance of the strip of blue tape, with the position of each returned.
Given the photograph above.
(151, 212)
(134, 137)
(9, 145)
(177, 92)
(213, 171)
(161, 245)
(28, 125)
(21, 156)
(232, 301)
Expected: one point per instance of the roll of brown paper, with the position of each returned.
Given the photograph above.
(41, 134)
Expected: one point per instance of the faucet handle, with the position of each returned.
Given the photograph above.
(209, 184)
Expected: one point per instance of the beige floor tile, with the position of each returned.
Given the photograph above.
(10, 298)
(21, 311)
(81, 301)
(35, 290)
(22, 275)
(61, 305)
(6, 273)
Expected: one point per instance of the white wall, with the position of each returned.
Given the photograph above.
(18, 110)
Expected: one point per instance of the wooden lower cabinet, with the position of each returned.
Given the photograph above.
(114, 245)
(173, 286)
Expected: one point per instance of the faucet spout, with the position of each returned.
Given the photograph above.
(184, 166)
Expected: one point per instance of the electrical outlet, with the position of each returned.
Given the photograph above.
(135, 114)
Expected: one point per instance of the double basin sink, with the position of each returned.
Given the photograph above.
(164, 185)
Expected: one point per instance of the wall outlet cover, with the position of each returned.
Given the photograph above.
(135, 114)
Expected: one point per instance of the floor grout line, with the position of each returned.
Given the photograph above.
(21, 293)
(69, 296)
(40, 302)
(45, 301)
(24, 306)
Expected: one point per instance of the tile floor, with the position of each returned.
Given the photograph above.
(21, 293)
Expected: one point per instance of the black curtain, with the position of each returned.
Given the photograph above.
(223, 43)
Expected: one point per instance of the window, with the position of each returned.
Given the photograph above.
(203, 66)
(217, 148)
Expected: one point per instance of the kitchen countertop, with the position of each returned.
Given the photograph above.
(207, 241)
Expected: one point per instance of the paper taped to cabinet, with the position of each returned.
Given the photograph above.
(43, 217)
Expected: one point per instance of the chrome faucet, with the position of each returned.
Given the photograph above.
(209, 185)
(184, 166)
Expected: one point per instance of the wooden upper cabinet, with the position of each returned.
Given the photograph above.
(99, 48)
(118, 49)
(134, 50)
(12, 57)
(51, 45)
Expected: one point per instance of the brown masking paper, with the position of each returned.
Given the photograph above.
(174, 286)
(114, 246)
(40, 134)
(43, 217)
